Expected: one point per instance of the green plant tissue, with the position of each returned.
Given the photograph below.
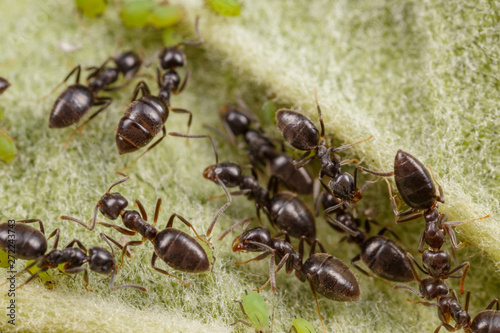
(422, 76)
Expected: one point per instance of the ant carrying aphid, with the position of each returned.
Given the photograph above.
(284, 209)
(262, 151)
(76, 100)
(146, 117)
(416, 187)
(179, 250)
(31, 243)
(326, 274)
(303, 135)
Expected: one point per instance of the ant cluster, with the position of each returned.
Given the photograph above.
(327, 275)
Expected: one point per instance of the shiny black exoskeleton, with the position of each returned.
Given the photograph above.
(262, 151)
(23, 241)
(4, 84)
(303, 135)
(416, 187)
(77, 99)
(176, 248)
(326, 274)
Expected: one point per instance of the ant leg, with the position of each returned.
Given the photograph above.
(321, 123)
(245, 223)
(334, 223)
(451, 233)
(143, 211)
(97, 70)
(302, 161)
(164, 131)
(258, 258)
(77, 69)
(157, 211)
(357, 258)
(344, 147)
(495, 301)
(25, 269)
(113, 287)
(387, 229)
(222, 209)
(412, 261)
(402, 286)
(34, 220)
(153, 261)
(183, 84)
(177, 110)
(409, 218)
(309, 278)
(125, 251)
(462, 280)
(200, 39)
(376, 173)
(440, 198)
(350, 161)
(198, 137)
(31, 278)
(189, 225)
(313, 247)
(119, 229)
(240, 192)
(76, 270)
(92, 226)
(107, 239)
(278, 268)
(142, 86)
(423, 303)
(105, 102)
(333, 208)
(80, 245)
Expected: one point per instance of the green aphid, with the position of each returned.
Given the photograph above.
(300, 325)
(165, 16)
(91, 8)
(269, 110)
(225, 7)
(135, 14)
(1, 113)
(4, 259)
(7, 147)
(255, 309)
(46, 277)
(170, 36)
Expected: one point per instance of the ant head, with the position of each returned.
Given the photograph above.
(128, 63)
(112, 204)
(101, 260)
(344, 187)
(170, 79)
(237, 122)
(245, 241)
(227, 173)
(172, 57)
(436, 263)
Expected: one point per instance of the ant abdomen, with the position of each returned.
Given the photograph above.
(30, 243)
(297, 129)
(322, 267)
(71, 106)
(291, 214)
(170, 245)
(386, 259)
(142, 121)
(414, 181)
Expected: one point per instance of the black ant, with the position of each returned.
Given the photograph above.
(416, 187)
(77, 99)
(326, 274)
(262, 151)
(179, 250)
(385, 258)
(284, 209)
(146, 117)
(302, 134)
(31, 243)
(4, 84)
(449, 308)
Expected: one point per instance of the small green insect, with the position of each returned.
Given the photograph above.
(170, 36)
(255, 309)
(225, 7)
(165, 16)
(300, 325)
(91, 8)
(269, 110)
(135, 14)
(4, 259)
(47, 277)
(7, 147)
